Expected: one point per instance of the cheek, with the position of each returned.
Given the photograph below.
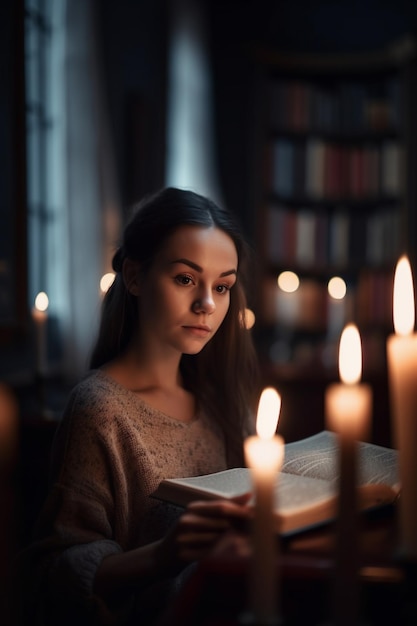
(222, 309)
(154, 303)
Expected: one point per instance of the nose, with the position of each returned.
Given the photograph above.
(204, 304)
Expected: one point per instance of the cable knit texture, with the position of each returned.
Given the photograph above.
(110, 453)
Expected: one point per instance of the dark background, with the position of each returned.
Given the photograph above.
(133, 36)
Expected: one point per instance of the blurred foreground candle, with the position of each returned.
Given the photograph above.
(348, 408)
(8, 427)
(9, 452)
(40, 318)
(264, 455)
(349, 403)
(402, 370)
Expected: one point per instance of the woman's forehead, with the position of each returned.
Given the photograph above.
(210, 243)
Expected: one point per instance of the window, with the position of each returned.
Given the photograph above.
(73, 200)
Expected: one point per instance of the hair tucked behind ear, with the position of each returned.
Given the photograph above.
(223, 376)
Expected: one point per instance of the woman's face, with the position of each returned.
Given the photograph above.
(184, 297)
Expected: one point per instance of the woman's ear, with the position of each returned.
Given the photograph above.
(130, 274)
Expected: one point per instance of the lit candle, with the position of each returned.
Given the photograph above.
(40, 318)
(349, 403)
(264, 454)
(402, 371)
(348, 410)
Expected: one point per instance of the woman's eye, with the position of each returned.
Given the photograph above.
(222, 288)
(184, 279)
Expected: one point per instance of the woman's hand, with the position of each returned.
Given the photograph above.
(200, 529)
(216, 527)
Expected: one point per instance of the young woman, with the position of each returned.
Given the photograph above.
(171, 392)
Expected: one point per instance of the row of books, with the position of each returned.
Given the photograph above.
(319, 169)
(368, 302)
(320, 238)
(345, 107)
(313, 353)
(374, 299)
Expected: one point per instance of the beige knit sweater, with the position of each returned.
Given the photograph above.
(111, 451)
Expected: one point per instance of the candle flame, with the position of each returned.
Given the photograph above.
(41, 301)
(403, 305)
(350, 355)
(268, 413)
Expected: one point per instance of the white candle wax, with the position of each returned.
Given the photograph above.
(348, 410)
(40, 318)
(402, 371)
(264, 455)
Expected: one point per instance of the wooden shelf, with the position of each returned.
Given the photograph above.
(319, 218)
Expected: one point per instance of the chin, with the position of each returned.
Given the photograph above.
(195, 350)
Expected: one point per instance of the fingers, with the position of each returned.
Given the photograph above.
(233, 544)
(229, 544)
(194, 542)
(234, 508)
(243, 499)
(203, 524)
(233, 512)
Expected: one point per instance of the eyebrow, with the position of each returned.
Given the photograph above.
(197, 268)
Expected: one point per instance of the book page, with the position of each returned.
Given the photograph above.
(317, 457)
(293, 493)
(226, 484)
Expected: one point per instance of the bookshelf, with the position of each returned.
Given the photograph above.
(336, 199)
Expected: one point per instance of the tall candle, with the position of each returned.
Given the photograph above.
(402, 372)
(40, 318)
(349, 403)
(348, 411)
(264, 454)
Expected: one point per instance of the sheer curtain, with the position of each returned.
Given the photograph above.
(190, 141)
(92, 204)
(75, 216)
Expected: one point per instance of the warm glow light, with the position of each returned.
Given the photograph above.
(403, 305)
(350, 355)
(288, 281)
(249, 318)
(106, 281)
(336, 288)
(41, 301)
(268, 413)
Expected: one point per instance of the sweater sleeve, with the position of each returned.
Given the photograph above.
(70, 587)
(75, 530)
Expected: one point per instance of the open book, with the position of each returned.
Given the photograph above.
(307, 487)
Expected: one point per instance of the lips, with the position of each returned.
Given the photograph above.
(199, 329)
